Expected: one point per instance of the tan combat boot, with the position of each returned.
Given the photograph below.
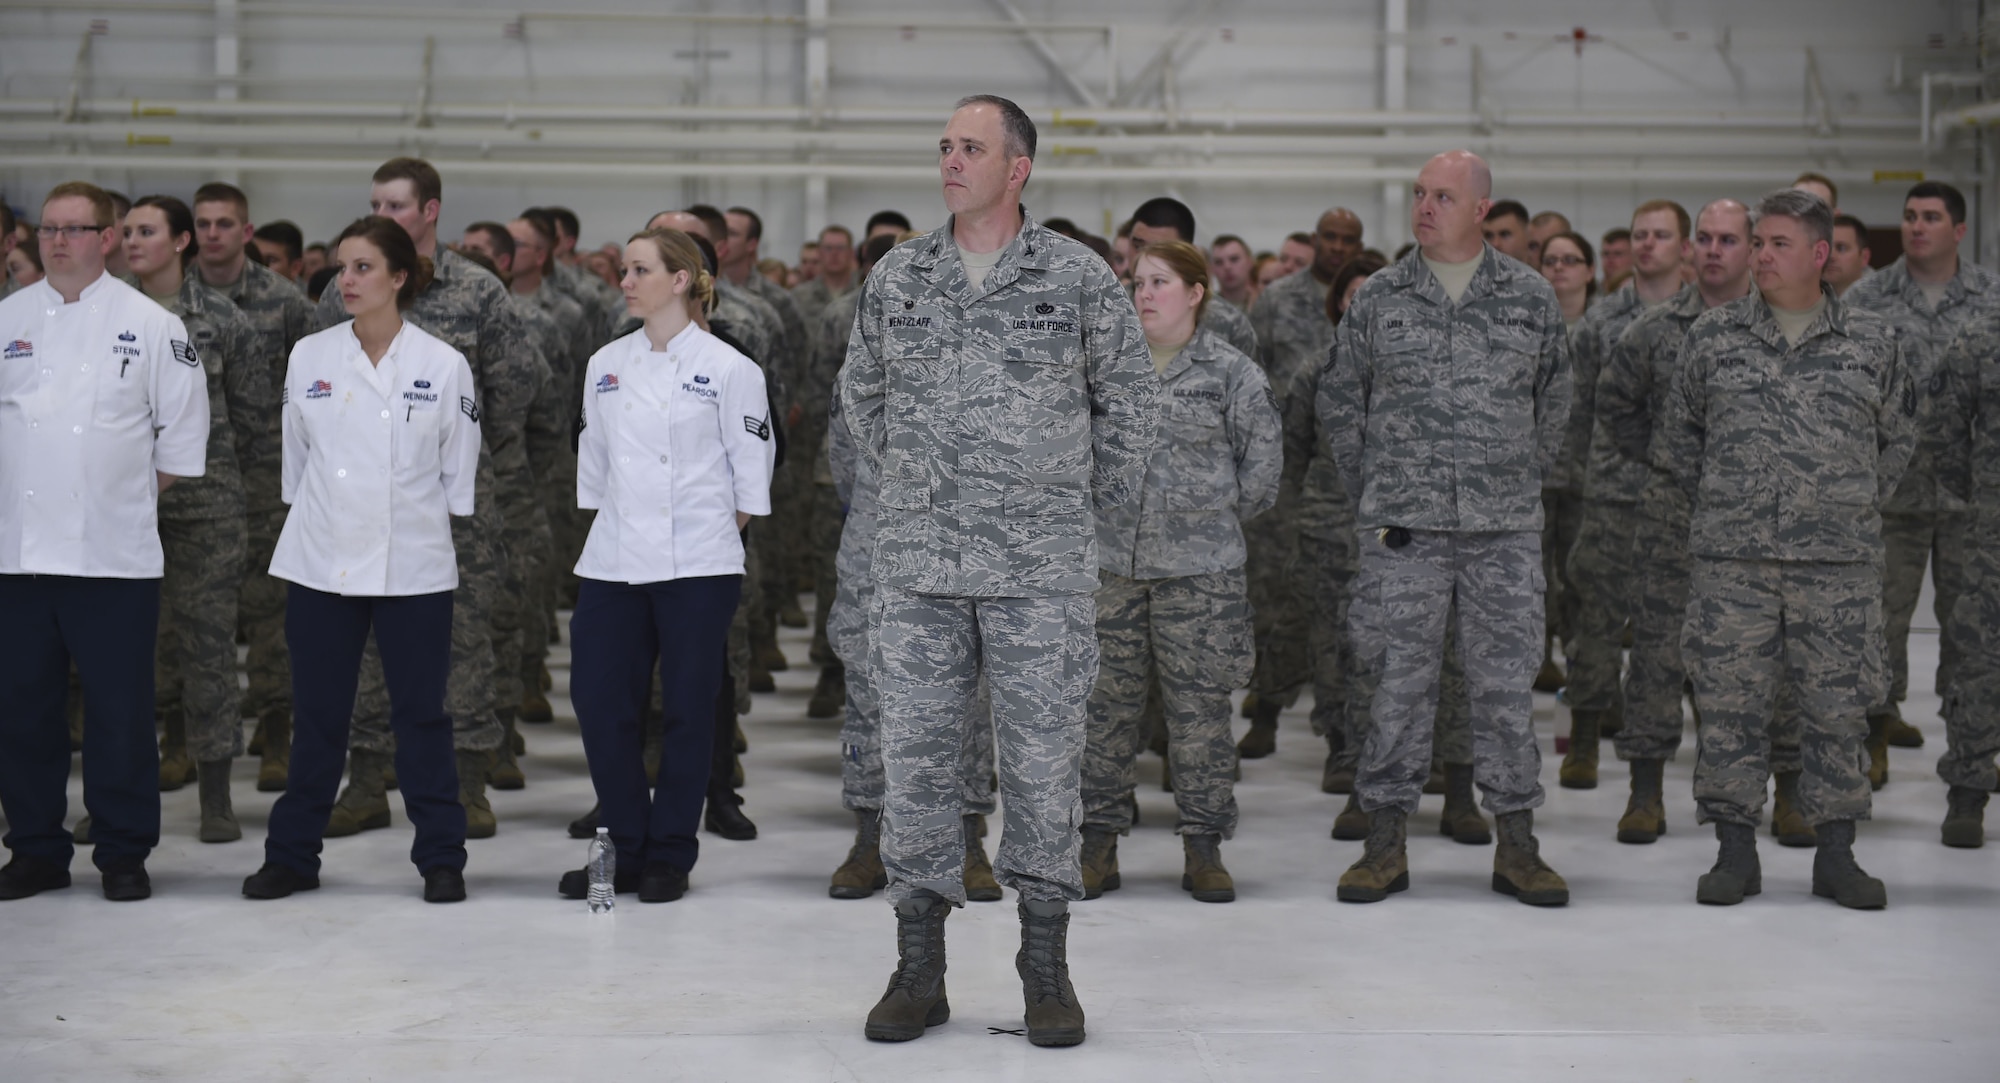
(1878, 750)
(1336, 777)
(473, 766)
(1518, 868)
(1579, 766)
(218, 819)
(364, 804)
(980, 886)
(535, 706)
(1352, 823)
(1788, 824)
(1053, 1015)
(1964, 818)
(915, 999)
(1461, 821)
(861, 875)
(1645, 818)
(1100, 862)
(1384, 867)
(505, 773)
(1262, 738)
(176, 769)
(274, 767)
(1202, 871)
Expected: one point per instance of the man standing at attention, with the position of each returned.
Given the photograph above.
(1000, 382)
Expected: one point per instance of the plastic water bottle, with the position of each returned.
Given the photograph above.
(603, 871)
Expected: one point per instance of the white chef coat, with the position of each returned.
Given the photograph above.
(377, 459)
(94, 398)
(674, 444)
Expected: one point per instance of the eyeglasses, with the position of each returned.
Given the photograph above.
(74, 233)
(1564, 261)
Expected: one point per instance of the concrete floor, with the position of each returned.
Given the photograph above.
(757, 975)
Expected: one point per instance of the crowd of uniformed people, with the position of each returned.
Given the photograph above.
(1056, 498)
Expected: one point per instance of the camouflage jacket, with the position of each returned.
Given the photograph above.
(999, 417)
(1321, 507)
(550, 420)
(282, 316)
(1966, 405)
(1788, 452)
(1215, 464)
(1632, 397)
(467, 309)
(1589, 464)
(1292, 330)
(1443, 416)
(242, 398)
(814, 296)
(794, 338)
(830, 337)
(603, 306)
(1893, 296)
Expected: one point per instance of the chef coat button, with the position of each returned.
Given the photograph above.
(78, 430)
(663, 458)
(385, 415)
(340, 473)
(624, 458)
(86, 368)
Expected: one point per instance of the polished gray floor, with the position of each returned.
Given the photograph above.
(757, 975)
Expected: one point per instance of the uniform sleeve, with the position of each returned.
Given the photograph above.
(1299, 417)
(1624, 387)
(1124, 390)
(840, 447)
(292, 435)
(1586, 353)
(1256, 435)
(253, 397)
(1954, 404)
(458, 446)
(1261, 326)
(513, 370)
(180, 402)
(1344, 389)
(1554, 386)
(1236, 328)
(593, 448)
(747, 430)
(1896, 419)
(1678, 450)
(864, 378)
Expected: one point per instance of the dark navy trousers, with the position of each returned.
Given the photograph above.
(617, 633)
(106, 627)
(325, 634)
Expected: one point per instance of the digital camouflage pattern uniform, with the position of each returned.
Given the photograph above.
(202, 527)
(1966, 405)
(1325, 520)
(1000, 420)
(1172, 602)
(861, 778)
(568, 526)
(1786, 454)
(466, 308)
(1598, 566)
(1921, 523)
(551, 422)
(816, 380)
(1445, 418)
(282, 316)
(814, 296)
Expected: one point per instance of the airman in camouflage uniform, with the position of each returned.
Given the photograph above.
(1173, 604)
(1967, 401)
(1786, 450)
(203, 533)
(467, 309)
(282, 315)
(1920, 523)
(1444, 415)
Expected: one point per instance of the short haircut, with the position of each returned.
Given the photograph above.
(1620, 233)
(1832, 189)
(1187, 263)
(1301, 237)
(1803, 207)
(842, 230)
(1859, 227)
(1507, 208)
(421, 174)
(1954, 200)
(317, 246)
(543, 221)
(121, 204)
(888, 218)
(503, 241)
(756, 230)
(874, 248)
(566, 221)
(218, 192)
(1165, 212)
(1546, 217)
(1228, 238)
(1651, 206)
(285, 233)
(718, 226)
(100, 200)
(1019, 130)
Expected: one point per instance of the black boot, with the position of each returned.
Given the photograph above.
(1837, 876)
(1461, 821)
(585, 826)
(1053, 1014)
(1737, 874)
(725, 817)
(915, 998)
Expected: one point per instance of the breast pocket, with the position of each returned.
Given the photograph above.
(1201, 464)
(416, 435)
(121, 393)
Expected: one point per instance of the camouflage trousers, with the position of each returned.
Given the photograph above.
(538, 615)
(1759, 629)
(1451, 727)
(828, 518)
(527, 533)
(1327, 565)
(1278, 613)
(260, 609)
(194, 660)
(1972, 702)
(468, 690)
(1488, 589)
(1191, 634)
(1909, 543)
(1562, 511)
(1038, 657)
(1602, 578)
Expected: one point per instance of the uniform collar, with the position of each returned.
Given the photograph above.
(1413, 272)
(1199, 349)
(1756, 315)
(1687, 302)
(92, 292)
(936, 258)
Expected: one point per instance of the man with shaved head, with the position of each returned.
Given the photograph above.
(1444, 405)
(1293, 332)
